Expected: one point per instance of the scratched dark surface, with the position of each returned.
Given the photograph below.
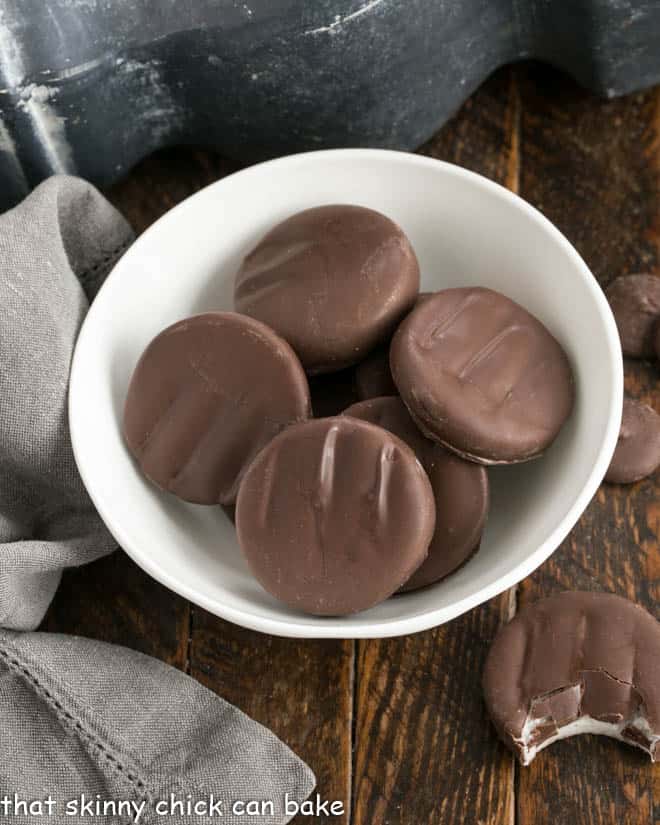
(261, 78)
(396, 728)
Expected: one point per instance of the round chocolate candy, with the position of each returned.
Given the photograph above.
(576, 663)
(207, 394)
(373, 377)
(635, 303)
(334, 515)
(482, 376)
(637, 452)
(333, 281)
(460, 489)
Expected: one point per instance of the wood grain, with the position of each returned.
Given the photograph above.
(115, 601)
(425, 751)
(300, 689)
(592, 167)
(164, 179)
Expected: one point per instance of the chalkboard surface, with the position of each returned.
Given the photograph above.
(91, 86)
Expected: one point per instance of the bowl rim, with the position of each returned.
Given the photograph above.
(427, 618)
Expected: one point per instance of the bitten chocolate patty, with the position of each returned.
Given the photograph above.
(482, 376)
(576, 663)
(460, 489)
(207, 394)
(333, 281)
(334, 515)
(637, 452)
(635, 302)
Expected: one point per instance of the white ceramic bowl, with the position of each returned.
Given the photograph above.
(466, 230)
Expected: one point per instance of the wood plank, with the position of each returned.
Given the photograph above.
(301, 689)
(115, 601)
(164, 179)
(592, 167)
(425, 751)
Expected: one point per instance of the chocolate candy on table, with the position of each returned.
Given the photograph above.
(576, 663)
(482, 376)
(656, 341)
(334, 515)
(334, 281)
(207, 394)
(373, 377)
(460, 489)
(635, 303)
(637, 452)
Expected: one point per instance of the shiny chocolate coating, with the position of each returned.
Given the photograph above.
(334, 515)
(635, 303)
(334, 281)
(482, 376)
(207, 394)
(573, 656)
(637, 452)
(460, 489)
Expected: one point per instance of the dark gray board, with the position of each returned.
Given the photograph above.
(91, 86)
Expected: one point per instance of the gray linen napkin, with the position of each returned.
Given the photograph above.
(81, 718)
(58, 243)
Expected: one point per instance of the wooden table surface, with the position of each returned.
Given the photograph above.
(396, 728)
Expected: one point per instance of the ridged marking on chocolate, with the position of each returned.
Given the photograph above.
(267, 490)
(429, 340)
(368, 266)
(223, 445)
(327, 466)
(528, 644)
(581, 635)
(260, 279)
(325, 490)
(385, 466)
(176, 423)
(525, 367)
(322, 498)
(489, 348)
(239, 402)
(159, 423)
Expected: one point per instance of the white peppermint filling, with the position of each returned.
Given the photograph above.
(585, 724)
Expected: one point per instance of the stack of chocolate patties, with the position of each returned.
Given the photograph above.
(335, 514)
(635, 302)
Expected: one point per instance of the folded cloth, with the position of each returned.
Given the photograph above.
(84, 722)
(55, 250)
(82, 718)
